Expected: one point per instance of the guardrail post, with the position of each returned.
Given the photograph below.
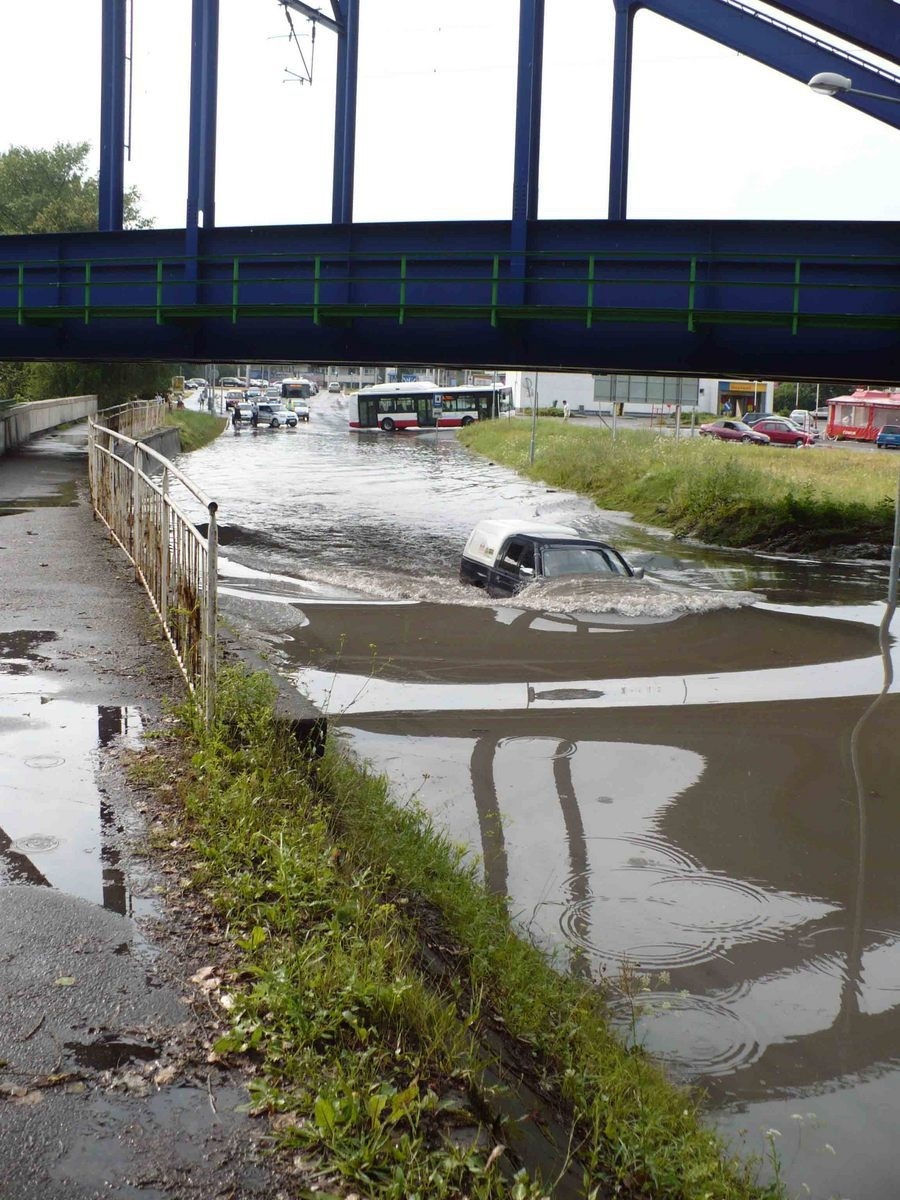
(212, 576)
(135, 509)
(164, 534)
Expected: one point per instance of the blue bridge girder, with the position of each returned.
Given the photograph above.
(791, 52)
(870, 24)
(760, 299)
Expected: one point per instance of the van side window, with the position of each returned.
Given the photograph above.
(512, 556)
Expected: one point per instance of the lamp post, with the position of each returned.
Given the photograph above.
(829, 83)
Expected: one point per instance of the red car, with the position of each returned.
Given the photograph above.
(781, 432)
(730, 430)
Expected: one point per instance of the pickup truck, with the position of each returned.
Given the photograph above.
(503, 556)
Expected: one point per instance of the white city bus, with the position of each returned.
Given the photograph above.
(458, 406)
(423, 405)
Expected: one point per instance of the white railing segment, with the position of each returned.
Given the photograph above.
(177, 565)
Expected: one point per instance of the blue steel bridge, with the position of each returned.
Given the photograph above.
(761, 299)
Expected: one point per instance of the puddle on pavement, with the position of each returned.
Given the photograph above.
(57, 829)
(109, 1051)
(19, 651)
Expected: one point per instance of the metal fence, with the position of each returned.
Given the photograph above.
(130, 491)
(135, 418)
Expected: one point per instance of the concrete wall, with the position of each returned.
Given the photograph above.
(25, 420)
(166, 442)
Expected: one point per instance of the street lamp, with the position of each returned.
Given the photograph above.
(829, 83)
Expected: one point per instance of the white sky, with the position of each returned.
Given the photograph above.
(714, 135)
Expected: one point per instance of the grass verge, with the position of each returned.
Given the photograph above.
(195, 429)
(374, 981)
(772, 498)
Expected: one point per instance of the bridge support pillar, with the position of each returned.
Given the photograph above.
(345, 114)
(526, 163)
(112, 117)
(621, 111)
(201, 197)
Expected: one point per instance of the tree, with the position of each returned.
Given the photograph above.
(50, 191)
(788, 396)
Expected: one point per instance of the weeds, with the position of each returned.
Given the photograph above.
(370, 964)
(732, 495)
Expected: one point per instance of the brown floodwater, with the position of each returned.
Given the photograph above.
(686, 786)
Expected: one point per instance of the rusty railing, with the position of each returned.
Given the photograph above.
(135, 418)
(130, 492)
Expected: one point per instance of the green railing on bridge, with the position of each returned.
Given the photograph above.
(693, 290)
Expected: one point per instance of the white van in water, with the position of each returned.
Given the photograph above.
(503, 556)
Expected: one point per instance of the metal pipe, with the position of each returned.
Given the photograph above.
(534, 408)
(895, 552)
(212, 577)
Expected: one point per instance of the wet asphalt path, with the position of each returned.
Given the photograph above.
(105, 1088)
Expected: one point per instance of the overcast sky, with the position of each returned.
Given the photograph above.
(714, 135)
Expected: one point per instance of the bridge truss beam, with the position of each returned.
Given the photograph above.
(873, 25)
(112, 115)
(782, 300)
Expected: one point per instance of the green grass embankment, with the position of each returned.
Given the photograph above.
(195, 429)
(734, 495)
(372, 979)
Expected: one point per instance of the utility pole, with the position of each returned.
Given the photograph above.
(534, 406)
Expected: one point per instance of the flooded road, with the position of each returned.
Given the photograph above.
(685, 785)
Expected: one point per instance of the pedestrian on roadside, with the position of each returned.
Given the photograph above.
(254, 419)
(565, 407)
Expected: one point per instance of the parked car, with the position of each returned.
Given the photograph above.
(754, 418)
(730, 430)
(782, 432)
(503, 556)
(197, 382)
(803, 419)
(272, 414)
(334, 386)
(888, 438)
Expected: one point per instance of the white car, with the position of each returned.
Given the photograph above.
(273, 415)
(334, 386)
(803, 419)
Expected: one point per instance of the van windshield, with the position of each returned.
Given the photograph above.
(580, 560)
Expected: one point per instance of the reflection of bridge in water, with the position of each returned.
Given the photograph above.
(721, 845)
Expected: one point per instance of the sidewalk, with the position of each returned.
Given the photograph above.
(105, 1084)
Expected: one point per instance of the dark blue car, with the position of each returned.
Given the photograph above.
(888, 438)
